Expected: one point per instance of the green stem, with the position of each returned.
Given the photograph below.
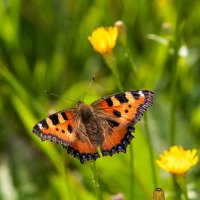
(132, 63)
(185, 193)
(181, 182)
(177, 188)
(150, 150)
(111, 61)
(177, 38)
(95, 179)
(131, 173)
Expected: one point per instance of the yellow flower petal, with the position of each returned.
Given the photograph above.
(103, 39)
(177, 160)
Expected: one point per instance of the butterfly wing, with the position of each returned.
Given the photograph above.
(57, 127)
(119, 113)
(82, 148)
(65, 128)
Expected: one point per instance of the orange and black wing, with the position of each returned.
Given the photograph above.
(119, 113)
(82, 148)
(58, 127)
(65, 128)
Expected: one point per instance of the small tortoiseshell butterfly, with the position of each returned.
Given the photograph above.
(107, 123)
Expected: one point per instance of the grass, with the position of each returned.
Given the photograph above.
(44, 46)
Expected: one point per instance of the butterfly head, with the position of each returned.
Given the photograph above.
(85, 112)
(79, 103)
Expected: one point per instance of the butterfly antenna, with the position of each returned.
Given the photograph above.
(88, 87)
(53, 94)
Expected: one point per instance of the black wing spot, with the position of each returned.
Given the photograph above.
(44, 124)
(121, 97)
(109, 102)
(57, 129)
(126, 111)
(135, 95)
(63, 131)
(113, 123)
(54, 119)
(69, 128)
(117, 113)
(64, 115)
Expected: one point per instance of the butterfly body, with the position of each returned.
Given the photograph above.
(107, 123)
(89, 120)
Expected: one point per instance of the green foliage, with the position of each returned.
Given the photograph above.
(44, 46)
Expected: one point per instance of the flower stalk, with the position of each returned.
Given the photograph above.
(95, 179)
(111, 61)
(182, 184)
(150, 150)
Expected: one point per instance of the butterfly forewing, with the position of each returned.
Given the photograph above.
(58, 127)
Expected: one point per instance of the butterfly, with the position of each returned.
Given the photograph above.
(107, 124)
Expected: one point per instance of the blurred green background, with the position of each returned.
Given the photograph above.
(44, 46)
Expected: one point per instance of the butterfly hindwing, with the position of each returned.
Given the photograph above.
(117, 140)
(122, 110)
(58, 127)
(83, 150)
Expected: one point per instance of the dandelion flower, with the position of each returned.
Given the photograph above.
(103, 39)
(177, 160)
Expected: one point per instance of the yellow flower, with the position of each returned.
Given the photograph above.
(103, 39)
(177, 160)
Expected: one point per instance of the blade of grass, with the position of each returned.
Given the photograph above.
(95, 179)
(150, 148)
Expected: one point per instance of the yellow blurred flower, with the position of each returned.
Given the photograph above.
(103, 39)
(177, 160)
